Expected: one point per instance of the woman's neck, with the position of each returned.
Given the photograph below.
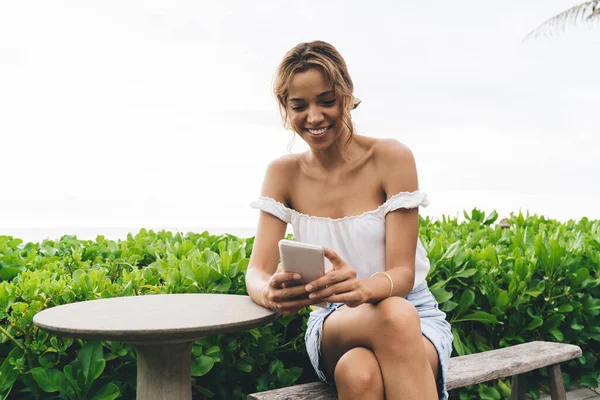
(335, 156)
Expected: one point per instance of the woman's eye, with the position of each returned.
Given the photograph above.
(329, 103)
(297, 108)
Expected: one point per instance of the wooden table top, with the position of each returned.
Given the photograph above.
(154, 318)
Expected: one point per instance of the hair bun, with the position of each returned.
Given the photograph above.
(355, 102)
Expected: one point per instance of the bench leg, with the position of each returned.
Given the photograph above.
(517, 391)
(557, 386)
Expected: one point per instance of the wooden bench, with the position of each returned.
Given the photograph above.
(468, 370)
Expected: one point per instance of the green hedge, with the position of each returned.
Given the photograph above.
(537, 280)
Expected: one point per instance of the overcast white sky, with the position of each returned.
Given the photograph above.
(160, 113)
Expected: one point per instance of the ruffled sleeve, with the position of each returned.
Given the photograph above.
(273, 207)
(418, 198)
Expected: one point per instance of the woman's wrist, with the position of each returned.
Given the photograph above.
(368, 291)
(378, 288)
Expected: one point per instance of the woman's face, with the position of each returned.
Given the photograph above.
(314, 110)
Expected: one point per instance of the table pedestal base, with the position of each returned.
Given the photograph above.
(164, 371)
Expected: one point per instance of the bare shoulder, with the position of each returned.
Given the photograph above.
(396, 166)
(392, 150)
(280, 173)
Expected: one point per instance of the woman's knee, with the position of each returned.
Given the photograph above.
(397, 317)
(358, 371)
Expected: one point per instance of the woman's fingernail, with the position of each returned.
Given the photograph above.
(297, 276)
(312, 296)
(308, 288)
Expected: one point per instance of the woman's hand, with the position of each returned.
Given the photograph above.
(284, 293)
(339, 285)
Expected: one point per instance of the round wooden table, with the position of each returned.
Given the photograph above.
(161, 327)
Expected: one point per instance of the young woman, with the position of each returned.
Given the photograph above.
(381, 334)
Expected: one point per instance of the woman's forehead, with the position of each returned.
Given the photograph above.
(309, 83)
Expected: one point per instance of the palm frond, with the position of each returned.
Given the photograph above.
(595, 15)
(586, 12)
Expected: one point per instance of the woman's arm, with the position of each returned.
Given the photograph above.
(266, 284)
(398, 174)
(265, 254)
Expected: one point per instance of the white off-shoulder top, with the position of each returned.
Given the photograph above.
(359, 239)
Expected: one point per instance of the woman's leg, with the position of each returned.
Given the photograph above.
(391, 329)
(362, 383)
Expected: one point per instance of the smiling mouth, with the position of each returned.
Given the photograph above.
(317, 132)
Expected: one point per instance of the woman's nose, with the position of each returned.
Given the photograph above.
(315, 116)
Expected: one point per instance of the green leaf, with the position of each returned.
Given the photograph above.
(68, 371)
(467, 298)
(15, 242)
(202, 365)
(557, 251)
(491, 218)
(489, 393)
(491, 255)
(211, 351)
(7, 272)
(8, 372)
(91, 359)
(502, 299)
(48, 251)
(441, 295)
(535, 323)
(521, 269)
(565, 308)
(51, 380)
(581, 276)
(467, 273)
(504, 389)
(287, 377)
(242, 266)
(556, 334)
(186, 247)
(480, 316)
(589, 381)
(458, 344)
(225, 263)
(275, 365)
(127, 290)
(577, 327)
(452, 250)
(243, 366)
(107, 392)
(201, 273)
(448, 306)
(224, 285)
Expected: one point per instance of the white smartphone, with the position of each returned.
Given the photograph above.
(304, 258)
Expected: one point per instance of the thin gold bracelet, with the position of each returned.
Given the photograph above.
(389, 277)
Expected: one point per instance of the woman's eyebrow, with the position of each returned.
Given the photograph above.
(327, 93)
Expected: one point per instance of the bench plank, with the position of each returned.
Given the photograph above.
(312, 391)
(462, 371)
(508, 361)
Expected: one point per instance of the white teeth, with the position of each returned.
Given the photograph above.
(317, 131)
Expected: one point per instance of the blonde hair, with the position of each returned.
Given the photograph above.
(327, 59)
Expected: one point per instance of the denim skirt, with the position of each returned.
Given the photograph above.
(433, 325)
